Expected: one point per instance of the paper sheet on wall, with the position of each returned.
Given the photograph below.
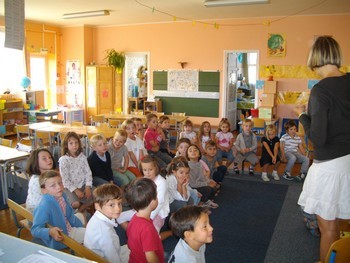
(183, 80)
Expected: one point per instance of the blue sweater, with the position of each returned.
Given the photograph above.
(49, 212)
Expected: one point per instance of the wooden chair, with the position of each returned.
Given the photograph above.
(27, 216)
(113, 123)
(24, 134)
(97, 119)
(42, 139)
(178, 114)
(339, 252)
(5, 142)
(78, 249)
(77, 123)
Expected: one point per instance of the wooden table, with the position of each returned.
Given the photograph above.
(7, 156)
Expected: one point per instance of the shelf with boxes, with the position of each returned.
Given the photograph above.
(267, 108)
(152, 106)
(11, 113)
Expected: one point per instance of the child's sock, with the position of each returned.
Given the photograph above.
(251, 170)
(235, 168)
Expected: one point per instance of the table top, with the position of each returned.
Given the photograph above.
(15, 249)
(11, 154)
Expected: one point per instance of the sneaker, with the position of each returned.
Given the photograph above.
(287, 176)
(264, 177)
(236, 170)
(302, 176)
(298, 178)
(251, 171)
(275, 175)
(211, 204)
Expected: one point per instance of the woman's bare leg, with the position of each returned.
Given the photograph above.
(329, 234)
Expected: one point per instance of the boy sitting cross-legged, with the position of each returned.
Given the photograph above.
(100, 235)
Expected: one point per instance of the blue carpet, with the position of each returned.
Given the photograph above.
(244, 222)
(18, 194)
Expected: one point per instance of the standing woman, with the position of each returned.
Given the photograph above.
(326, 191)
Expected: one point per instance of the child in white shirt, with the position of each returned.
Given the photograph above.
(100, 235)
(188, 132)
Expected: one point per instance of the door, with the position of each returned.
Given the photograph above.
(136, 68)
(230, 88)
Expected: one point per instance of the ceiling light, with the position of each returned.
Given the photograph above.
(86, 14)
(215, 3)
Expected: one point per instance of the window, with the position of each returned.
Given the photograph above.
(12, 66)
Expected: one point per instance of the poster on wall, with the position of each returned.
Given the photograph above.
(74, 89)
(73, 72)
(276, 45)
(183, 80)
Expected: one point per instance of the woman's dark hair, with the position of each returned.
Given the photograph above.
(33, 161)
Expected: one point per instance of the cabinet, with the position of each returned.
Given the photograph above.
(11, 113)
(134, 104)
(34, 98)
(150, 106)
(99, 90)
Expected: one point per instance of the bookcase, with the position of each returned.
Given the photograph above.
(11, 113)
(149, 106)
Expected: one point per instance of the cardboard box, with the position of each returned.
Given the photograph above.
(267, 113)
(268, 100)
(270, 87)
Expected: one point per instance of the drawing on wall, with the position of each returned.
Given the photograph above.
(184, 80)
(276, 45)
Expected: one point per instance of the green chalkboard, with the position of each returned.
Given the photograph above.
(192, 106)
(209, 81)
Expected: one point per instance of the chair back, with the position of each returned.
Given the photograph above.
(23, 133)
(113, 123)
(179, 114)
(97, 119)
(42, 138)
(5, 142)
(77, 123)
(339, 252)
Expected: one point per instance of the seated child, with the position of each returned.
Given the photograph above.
(188, 132)
(270, 149)
(100, 161)
(198, 180)
(75, 172)
(205, 135)
(120, 159)
(152, 139)
(178, 184)
(40, 160)
(100, 235)
(224, 142)
(135, 147)
(217, 171)
(143, 239)
(138, 127)
(181, 147)
(164, 124)
(54, 209)
(191, 225)
(246, 145)
(293, 151)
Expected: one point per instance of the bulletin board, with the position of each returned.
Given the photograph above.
(203, 102)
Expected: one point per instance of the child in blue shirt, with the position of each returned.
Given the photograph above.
(55, 209)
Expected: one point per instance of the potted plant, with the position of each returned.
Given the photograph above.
(115, 59)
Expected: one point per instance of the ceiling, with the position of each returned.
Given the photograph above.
(127, 12)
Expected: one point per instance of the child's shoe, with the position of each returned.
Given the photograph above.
(302, 176)
(235, 170)
(264, 177)
(251, 171)
(298, 178)
(275, 175)
(287, 176)
(211, 204)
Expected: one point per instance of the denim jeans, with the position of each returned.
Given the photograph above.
(293, 157)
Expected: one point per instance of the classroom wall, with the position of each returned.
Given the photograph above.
(203, 46)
